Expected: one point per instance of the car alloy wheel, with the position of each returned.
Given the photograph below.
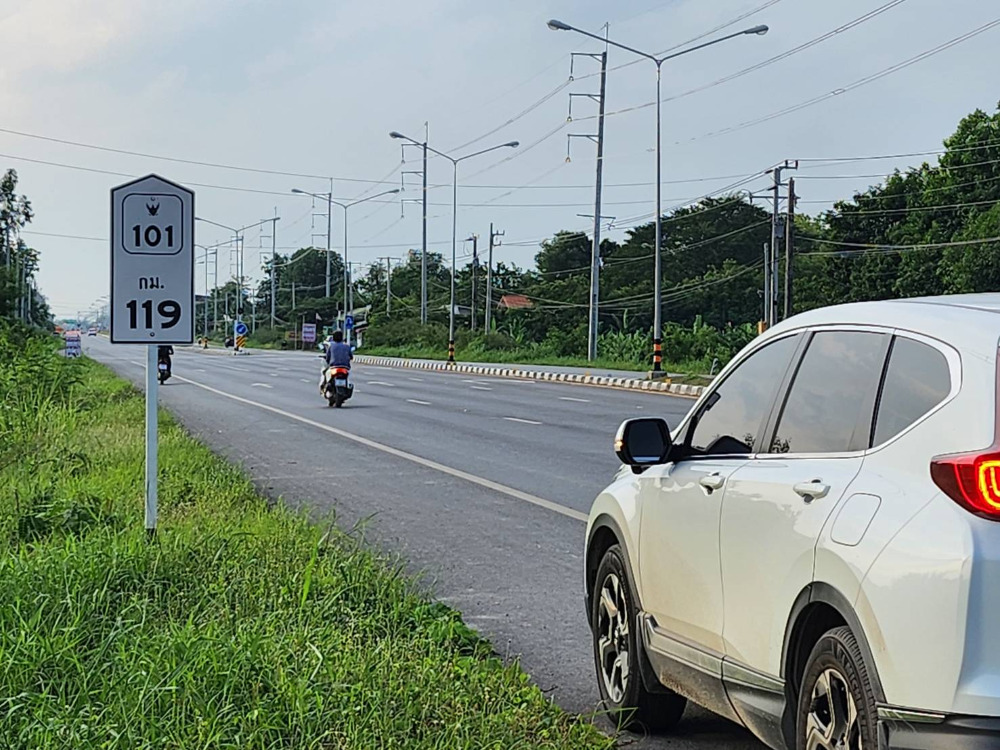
(832, 722)
(613, 643)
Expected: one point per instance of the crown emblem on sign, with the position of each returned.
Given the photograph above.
(152, 206)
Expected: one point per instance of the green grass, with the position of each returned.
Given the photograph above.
(238, 627)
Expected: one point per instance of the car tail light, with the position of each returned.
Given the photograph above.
(973, 479)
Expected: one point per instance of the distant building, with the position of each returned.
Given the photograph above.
(514, 302)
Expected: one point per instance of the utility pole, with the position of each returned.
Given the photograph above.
(475, 268)
(423, 202)
(388, 281)
(772, 249)
(329, 226)
(274, 265)
(776, 237)
(494, 236)
(789, 247)
(595, 255)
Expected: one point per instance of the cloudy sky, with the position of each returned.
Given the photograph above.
(303, 91)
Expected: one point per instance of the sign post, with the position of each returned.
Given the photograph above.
(152, 286)
(309, 333)
(240, 336)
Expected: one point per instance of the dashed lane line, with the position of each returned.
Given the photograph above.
(522, 421)
(527, 497)
(418, 401)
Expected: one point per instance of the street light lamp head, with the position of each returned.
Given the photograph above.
(396, 134)
(393, 192)
(297, 191)
(512, 144)
(559, 25)
(758, 30)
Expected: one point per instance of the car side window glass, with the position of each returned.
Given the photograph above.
(834, 384)
(733, 412)
(916, 380)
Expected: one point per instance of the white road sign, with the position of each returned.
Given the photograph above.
(152, 263)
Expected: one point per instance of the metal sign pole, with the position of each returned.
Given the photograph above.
(152, 434)
(152, 288)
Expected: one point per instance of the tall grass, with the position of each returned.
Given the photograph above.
(238, 627)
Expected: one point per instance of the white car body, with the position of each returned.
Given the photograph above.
(735, 569)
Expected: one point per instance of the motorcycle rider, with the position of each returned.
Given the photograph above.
(163, 354)
(338, 354)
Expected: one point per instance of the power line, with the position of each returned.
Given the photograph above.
(855, 85)
(770, 61)
(885, 248)
(938, 152)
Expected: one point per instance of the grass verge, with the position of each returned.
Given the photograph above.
(239, 627)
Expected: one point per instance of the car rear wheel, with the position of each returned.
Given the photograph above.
(616, 653)
(836, 709)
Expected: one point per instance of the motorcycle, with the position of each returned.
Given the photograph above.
(339, 387)
(163, 367)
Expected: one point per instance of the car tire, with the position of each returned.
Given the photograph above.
(617, 653)
(836, 704)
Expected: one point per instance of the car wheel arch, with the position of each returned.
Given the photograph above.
(817, 605)
(604, 534)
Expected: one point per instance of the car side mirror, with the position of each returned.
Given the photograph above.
(641, 443)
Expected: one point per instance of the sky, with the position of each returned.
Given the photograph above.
(305, 91)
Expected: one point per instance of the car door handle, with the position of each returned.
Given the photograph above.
(813, 490)
(712, 482)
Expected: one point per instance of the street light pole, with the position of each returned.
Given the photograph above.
(657, 265)
(454, 220)
(238, 233)
(348, 295)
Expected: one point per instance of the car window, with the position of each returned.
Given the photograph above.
(734, 411)
(916, 380)
(834, 384)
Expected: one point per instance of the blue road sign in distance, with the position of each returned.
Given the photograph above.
(349, 321)
(241, 328)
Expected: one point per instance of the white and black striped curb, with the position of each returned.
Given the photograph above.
(635, 384)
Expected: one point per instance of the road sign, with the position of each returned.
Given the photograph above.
(152, 263)
(309, 333)
(349, 322)
(241, 328)
(73, 346)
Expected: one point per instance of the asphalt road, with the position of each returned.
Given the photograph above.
(481, 484)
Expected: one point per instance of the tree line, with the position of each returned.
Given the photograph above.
(19, 296)
(932, 229)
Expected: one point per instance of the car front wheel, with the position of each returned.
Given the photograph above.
(837, 709)
(616, 653)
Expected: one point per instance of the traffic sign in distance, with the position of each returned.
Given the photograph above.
(349, 322)
(152, 263)
(309, 333)
(241, 328)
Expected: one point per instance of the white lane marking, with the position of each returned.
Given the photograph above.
(418, 401)
(427, 463)
(381, 382)
(470, 381)
(522, 421)
(480, 388)
(577, 400)
(198, 369)
(305, 380)
(275, 375)
(416, 380)
(261, 385)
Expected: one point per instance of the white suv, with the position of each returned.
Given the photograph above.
(814, 552)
